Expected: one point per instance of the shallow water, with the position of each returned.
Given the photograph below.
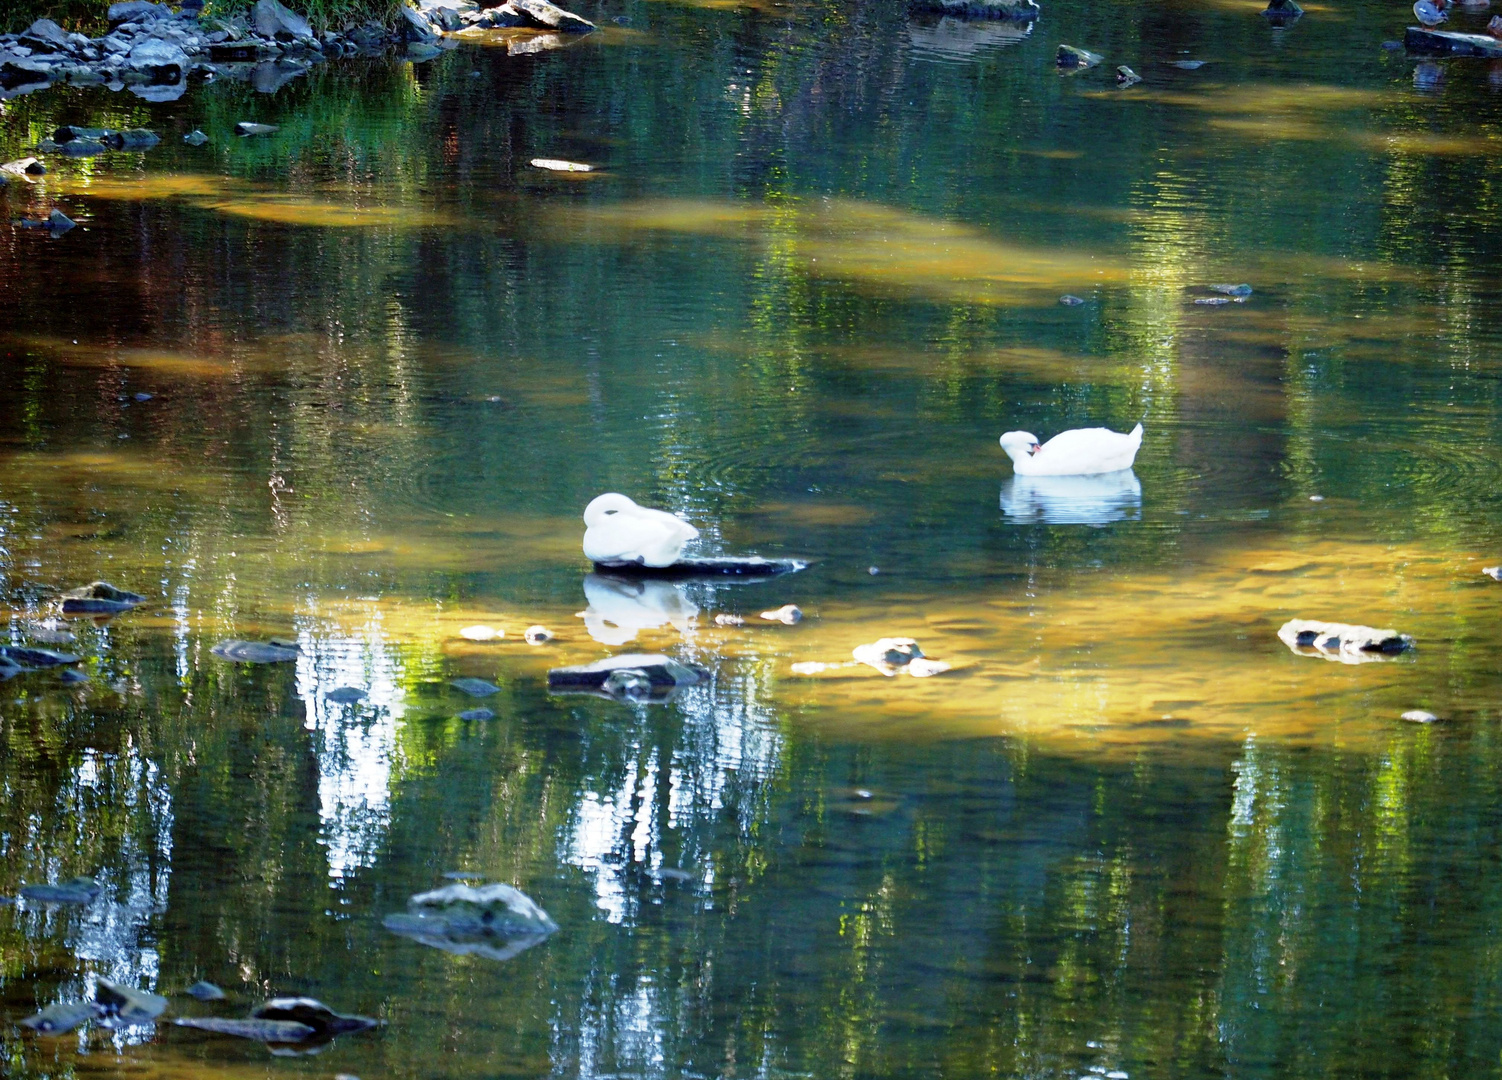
(814, 276)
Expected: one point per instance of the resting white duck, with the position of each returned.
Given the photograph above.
(618, 531)
(1080, 452)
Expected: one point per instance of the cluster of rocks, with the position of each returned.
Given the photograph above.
(154, 51)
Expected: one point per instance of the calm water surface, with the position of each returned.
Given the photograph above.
(814, 277)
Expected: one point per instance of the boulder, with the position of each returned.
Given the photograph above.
(1417, 39)
(159, 60)
(1346, 643)
(325, 1022)
(1020, 10)
(413, 26)
(273, 20)
(44, 35)
(548, 16)
(447, 17)
(137, 11)
(24, 167)
(504, 17)
(98, 597)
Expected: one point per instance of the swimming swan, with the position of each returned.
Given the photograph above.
(1080, 452)
(619, 531)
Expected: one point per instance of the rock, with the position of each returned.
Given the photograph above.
(23, 72)
(559, 165)
(1344, 642)
(255, 652)
(1070, 300)
(888, 655)
(444, 17)
(481, 632)
(24, 167)
(1419, 716)
(137, 11)
(81, 148)
(923, 667)
(134, 139)
(247, 127)
(67, 133)
(1232, 290)
(538, 635)
(1070, 58)
(1214, 301)
(1019, 10)
(273, 20)
(46, 36)
(729, 620)
(205, 991)
(1281, 13)
(127, 1003)
(79, 890)
(504, 17)
(160, 61)
(195, 138)
(475, 687)
(493, 921)
(630, 676)
(412, 26)
(1125, 76)
(549, 16)
(1188, 65)
(1416, 39)
(99, 598)
(418, 51)
(325, 1022)
(50, 632)
(476, 715)
(266, 1031)
(1493, 572)
(712, 567)
(59, 223)
(271, 76)
(72, 676)
(61, 1017)
(787, 614)
(346, 695)
(23, 657)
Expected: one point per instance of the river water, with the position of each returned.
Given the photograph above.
(815, 273)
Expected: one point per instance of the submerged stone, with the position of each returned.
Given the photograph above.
(130, 1005)
(99, 598)
(133, 139)
(1232, 290)
(481, 632)
(631, 676)
(312, 1013)
(1281, 12)
(1188, 65)
(266, 1031)
(1125, 76)
(477, 714)
(730, 620)
(79, 890)
(24, 657)
(493, 921)
(537, 635)
(475, 687)
(205, 991)
(1070, 300)
(346, 695)
(888, 655)
(248, 127)
(787, 614)
(1450, 43)
(1070, 58)
(1419, 716)
(195, 138)
(59, 1018)
(255, 652)
(1344, 642)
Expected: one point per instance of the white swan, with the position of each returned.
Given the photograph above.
(618, 531)
(1080, 452)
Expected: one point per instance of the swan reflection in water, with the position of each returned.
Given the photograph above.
(1073, 500)
(620, 607)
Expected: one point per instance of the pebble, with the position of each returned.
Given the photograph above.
(873, 571)
(195, 138)
(787, 614)
(1419, 716)
(1070, 300)
(538, 635)
(730, 620)
(481, 633)
(141, 396)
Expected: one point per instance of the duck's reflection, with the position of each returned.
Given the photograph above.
(621, 607)
(1073, 500)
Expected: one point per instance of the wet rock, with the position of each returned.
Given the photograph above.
(346, 695)
(1187, 65)
(1070, 300)
(413, 27)
(1125, 76)
(710, 567)
(205, 991)
(481, 632)
(922, 667)
(445, 16)
(24, 167)
(1020, 10)
(1343, 642)
(133, 139)
(50, 632)
(72, 676)
(537, 635)
(1070, 58)
(79, 890)
(126, 1003)
(1449, 43)
(418, 51)
(1419, 716)
(137, 11)
(160, 61)
(99, 598)
(788, 614)
(729, 620)
(630, 676)
(476, 715)
(888, 655)
(273, 20)
(312, 1013)
(493, 921)
(1214, 301)
(23, 72)
(255, 652)
(549, 16)
(1232, 290)
(559, 165)
(247, 127)
(1281, 12)
(504, 17)
(29, 658)
(266, 1031)
(1493, 572)
(195, 138)
(44, 35)
(475, 687)
(59, 1018)
(67, 133)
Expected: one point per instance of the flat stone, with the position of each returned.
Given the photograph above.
(711, 567)
(549, 16)
(80, 890)
(254, 652)
(98, 597)
(25, 657)
(493, 921)
(1344, 642)
(476, 715)
(273, 20)
(59, 1018)
(160, 61)
(475, 687)
(630, 677)
(1417, 39)
(346, 695)
(266, 1031)
(1071, 58)
(247, 127)
(325, 1022)
(1419, 716)
(127, 1003)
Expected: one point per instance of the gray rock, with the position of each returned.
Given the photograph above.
(59, 223)
(205, 991)
(1020, 10)
(46, 36)
(630, 676)
(1281, 12)
(888, 655)
(477, 714)
(24, 167)
(160, 61)
(1125, 76)
(506, 16)
(1070, 58)
(23, 657)
(247, 127)
(1232, 290)
(195, 138)
(1214, 301)
(266, 1031)
(1070, 300)
(98, 597)
(137, 11)
(273, 20)
(79, 890)
(1345, 642)
(444, 17)
(475, 687)
(1419, 716)
(493, 921)
(325, 1022)
(1450, 43)
(413, 26)
(346, 695)
(133, 139)
(59, 1018)
(255, 652)
(128, 1004)
(550, 16)
(21, 72)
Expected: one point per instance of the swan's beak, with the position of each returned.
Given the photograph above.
(1034, 448)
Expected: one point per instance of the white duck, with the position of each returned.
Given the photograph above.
(1081, 452)
(617, 531)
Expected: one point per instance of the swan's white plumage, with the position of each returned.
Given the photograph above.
(1080, 452)
(619, 531)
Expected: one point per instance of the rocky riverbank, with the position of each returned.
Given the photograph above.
(156, 51)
